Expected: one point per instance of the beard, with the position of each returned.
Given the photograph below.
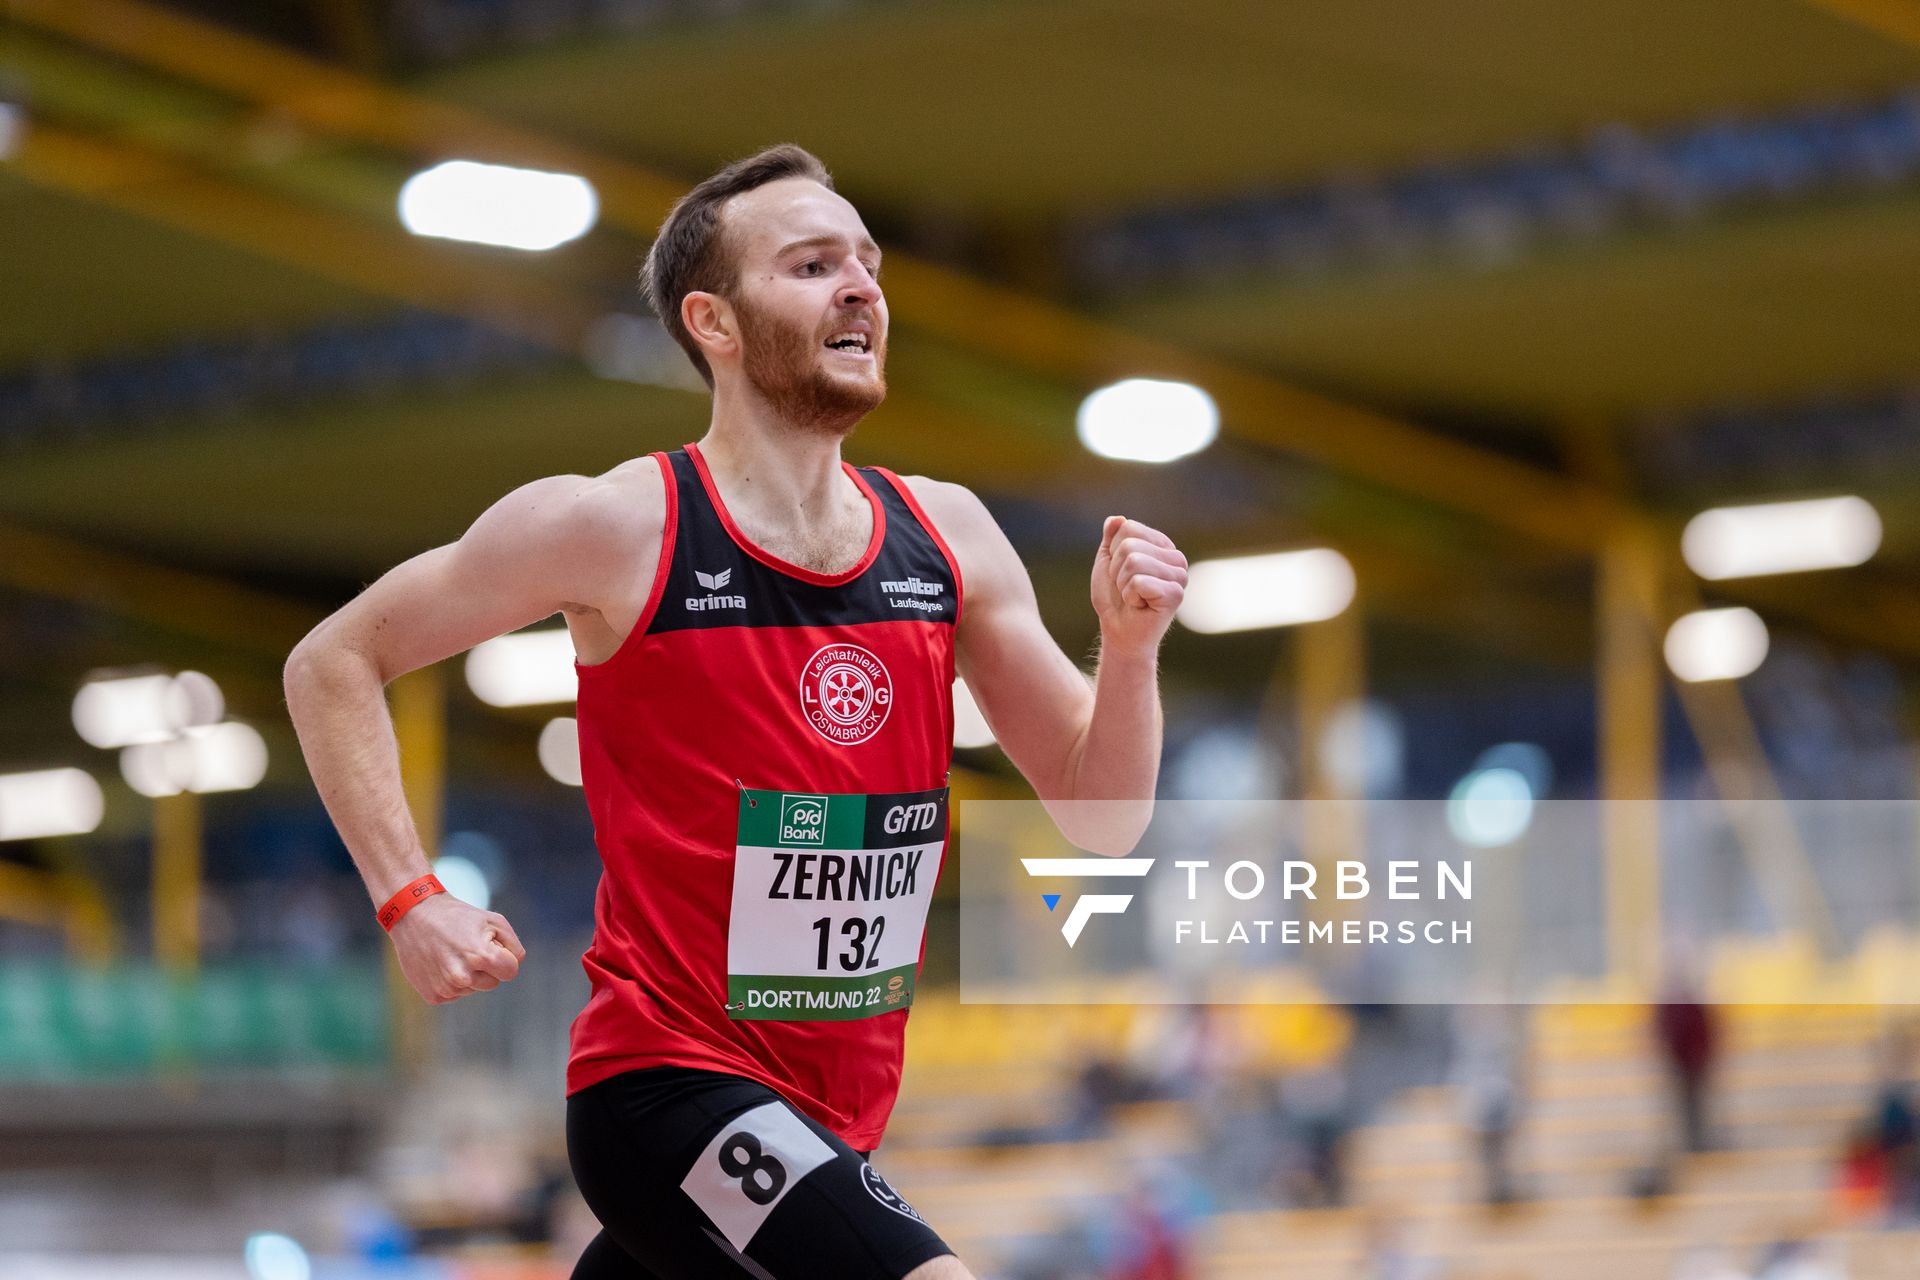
(783, 363)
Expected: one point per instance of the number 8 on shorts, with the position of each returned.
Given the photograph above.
(749, 1167)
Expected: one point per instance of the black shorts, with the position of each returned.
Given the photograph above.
(696, 1174)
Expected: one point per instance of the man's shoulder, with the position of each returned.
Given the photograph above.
(596, 537)
(589, 536)
(947, 503)
(985, 556)
(621, 504)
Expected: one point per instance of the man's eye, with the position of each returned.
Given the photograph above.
(811, 268)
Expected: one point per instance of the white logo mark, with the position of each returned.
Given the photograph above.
(913, 587)
(1092, 904)
(910, 817)
(713, 582)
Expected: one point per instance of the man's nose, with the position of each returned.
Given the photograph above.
(860, 288)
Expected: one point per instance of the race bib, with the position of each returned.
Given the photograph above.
(830, 897)
(749, 1167)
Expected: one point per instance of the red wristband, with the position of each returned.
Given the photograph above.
(415, 892)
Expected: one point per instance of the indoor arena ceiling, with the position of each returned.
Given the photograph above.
(204, 174)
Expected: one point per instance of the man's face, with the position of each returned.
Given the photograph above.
(813, 322)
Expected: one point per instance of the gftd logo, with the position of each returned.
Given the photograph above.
(1089, 904)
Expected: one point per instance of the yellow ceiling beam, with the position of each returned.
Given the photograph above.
(1898, 20)
(1358, 442)
(143, 179)
(331, 99)
(353, 31)
(189, 603)
(912, 432)
(383, 262)
(63, 899)
(1023, 330)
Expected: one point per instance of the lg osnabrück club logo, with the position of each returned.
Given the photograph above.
(1089, 904)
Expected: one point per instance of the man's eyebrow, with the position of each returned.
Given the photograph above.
(866, 242)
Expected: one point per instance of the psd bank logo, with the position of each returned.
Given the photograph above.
(803, 820)
(1089, 904)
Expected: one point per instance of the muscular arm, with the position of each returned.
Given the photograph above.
(562, 543)
(1073, 739)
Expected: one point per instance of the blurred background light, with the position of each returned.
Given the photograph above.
(1527, 759)
(1490, 807)
(1363, 750)
(630, 348)
(1716, 644)
(156, 769)
(1148, 420)
(970, 728)
(227, 757)
(498, 205)
(116, 712)
(13, 125)
(527, 668)
(120, 711)
(560, 750)
(48, 802)
(272, 1256)
(482, 850)
(1781, 537)
(1242, 593)
(1228, 761)
(222, 757)
(464, 880)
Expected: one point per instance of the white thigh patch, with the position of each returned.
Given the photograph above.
(752, 1163)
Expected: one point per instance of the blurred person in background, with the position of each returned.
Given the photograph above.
(1488, 1073)
(1896, 1124)
(1861, 1176)
(1800, 1258)
(1185, 1051)
(1099, 1087)
(1708, 1262)
(1878, 1173)
(756, 622)
(1152, 1240)
(1320, 1119)
(1687, 1033)
(1249, 1145)
(1390, 1253)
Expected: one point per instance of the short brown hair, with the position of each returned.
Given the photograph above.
(689, 255)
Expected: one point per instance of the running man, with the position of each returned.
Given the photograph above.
(766, 640)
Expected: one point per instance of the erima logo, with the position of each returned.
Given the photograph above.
(713, 582)
(1091, 904)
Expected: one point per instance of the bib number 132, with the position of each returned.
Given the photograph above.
(830, 897)
(862, 942)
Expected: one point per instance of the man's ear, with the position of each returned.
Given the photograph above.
(710, 321)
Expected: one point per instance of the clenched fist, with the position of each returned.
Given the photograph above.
(1139, 579)
(450, 949)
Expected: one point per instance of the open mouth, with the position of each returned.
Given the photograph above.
(850, 343)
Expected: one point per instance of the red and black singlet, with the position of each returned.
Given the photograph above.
(757, 711)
